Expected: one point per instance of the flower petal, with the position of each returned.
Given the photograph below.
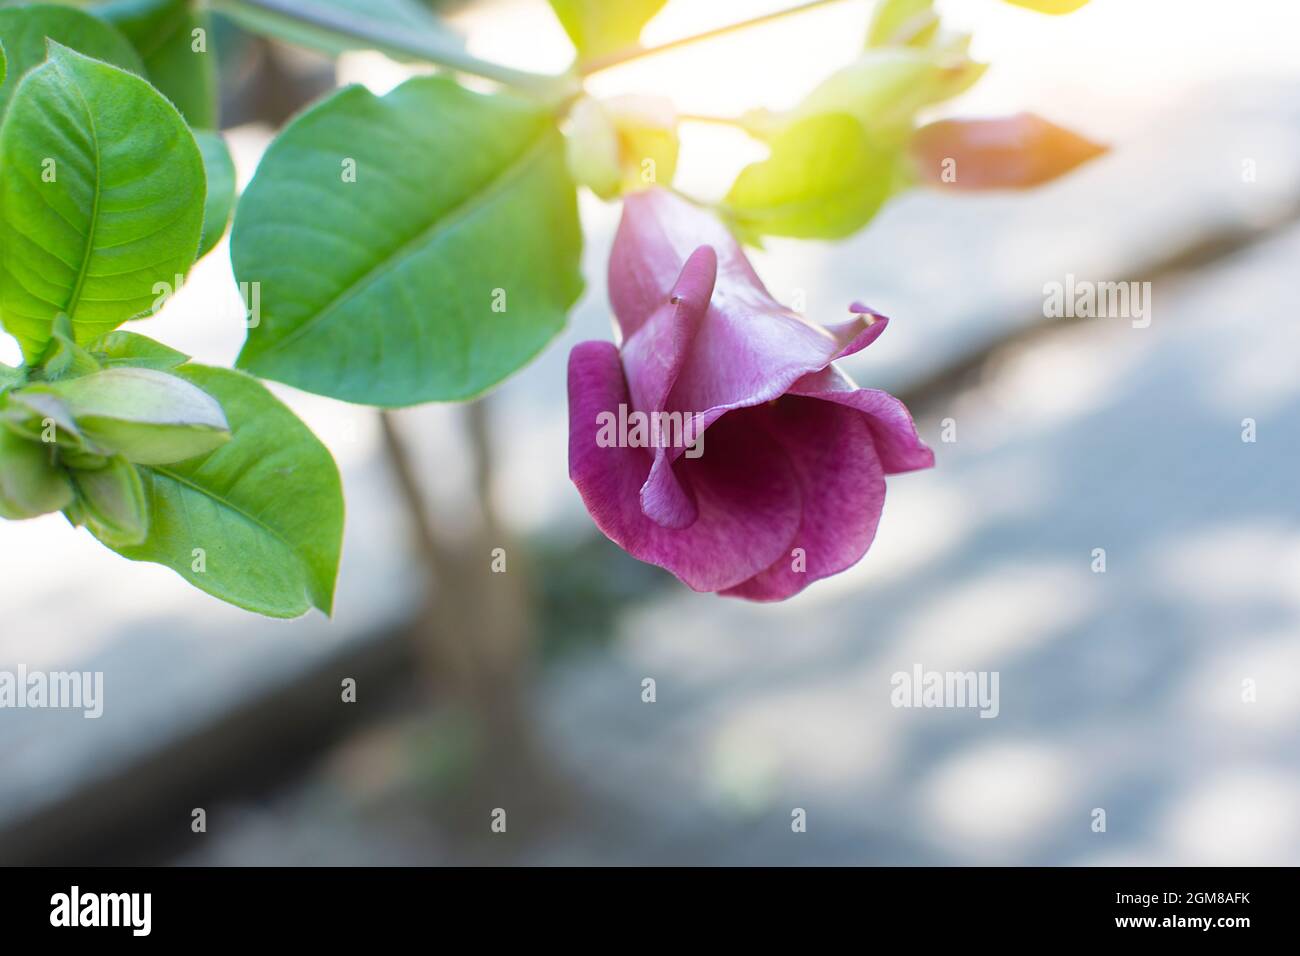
(744, 486)
(652, 359)
(843, 490)
(657, 233)
(897, 443)
(653, 356)
(748, 348)
(856, 334)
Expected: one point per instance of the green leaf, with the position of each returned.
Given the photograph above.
(166, 34)
(597, 27)
(28, 411)
(257, 523)
(130, 348)
(4, 64)
(220, 202)
(102, 196)
(447, 264)
(824, 179)
(30, 483)
(149, 416)
(63, 358)
(902, 23)
(25, 30)
(112, 503)
(885, 88)
(11, 377)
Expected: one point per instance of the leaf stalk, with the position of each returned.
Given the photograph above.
(619, 57)
(330, 29)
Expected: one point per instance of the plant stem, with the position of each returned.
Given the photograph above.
(637, 52)
(733, 121)
(444, 657)
(331, 29)
(417, 508)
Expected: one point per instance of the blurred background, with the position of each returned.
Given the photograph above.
(522, 691)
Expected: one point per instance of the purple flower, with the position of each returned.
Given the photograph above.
(719, 441)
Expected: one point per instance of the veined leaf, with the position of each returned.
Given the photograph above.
(171, 37)
(449, 226)
(257, 523)
(24, 31)
(824, 179)
(220, 171)
(597, 27)
(149, 416)
(102, 196)
(131, 348)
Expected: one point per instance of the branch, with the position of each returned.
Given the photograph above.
(620, 57)
(417, 508)
(332, 29)
(732, 121)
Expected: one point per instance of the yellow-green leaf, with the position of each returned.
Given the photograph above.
(902, 23)
(597, 27)
(885, 88)
(824, 179)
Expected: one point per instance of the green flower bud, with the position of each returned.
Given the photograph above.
(31, 483)
(113, 504)
(150, 417)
